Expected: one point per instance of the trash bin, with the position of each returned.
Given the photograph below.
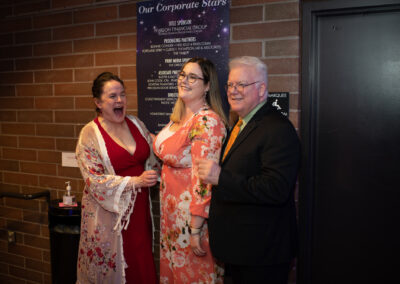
(64, 227)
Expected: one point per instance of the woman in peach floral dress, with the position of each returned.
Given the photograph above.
(196, 130)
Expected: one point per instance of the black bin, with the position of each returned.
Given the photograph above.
(64, 227)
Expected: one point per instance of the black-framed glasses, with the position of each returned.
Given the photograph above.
(238, 86)
(191, 77)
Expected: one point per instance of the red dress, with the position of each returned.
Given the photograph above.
(137, 238)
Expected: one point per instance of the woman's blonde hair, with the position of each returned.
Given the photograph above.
(213, 97)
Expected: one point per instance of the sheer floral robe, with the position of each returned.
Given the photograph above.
(182, 194)
(107, 203)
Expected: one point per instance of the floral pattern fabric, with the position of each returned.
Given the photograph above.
(107, 202)
(182, 195)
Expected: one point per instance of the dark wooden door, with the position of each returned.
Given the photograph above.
(350, 181)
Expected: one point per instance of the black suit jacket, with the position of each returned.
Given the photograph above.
(252, 218)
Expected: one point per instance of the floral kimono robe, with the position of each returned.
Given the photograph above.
(182, 195)
(107, 203)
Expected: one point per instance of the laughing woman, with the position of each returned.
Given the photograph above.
(115, 158)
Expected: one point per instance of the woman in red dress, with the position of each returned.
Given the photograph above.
(113, 152)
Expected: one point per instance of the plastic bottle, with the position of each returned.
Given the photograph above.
(69, 199)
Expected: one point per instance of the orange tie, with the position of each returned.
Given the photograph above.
(233, 136)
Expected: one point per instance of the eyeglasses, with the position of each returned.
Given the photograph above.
(191, 77)
(238, 86)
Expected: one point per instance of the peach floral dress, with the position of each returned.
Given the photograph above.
(183, 195)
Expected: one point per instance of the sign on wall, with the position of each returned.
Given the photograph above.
(280, 101)
(168, 34)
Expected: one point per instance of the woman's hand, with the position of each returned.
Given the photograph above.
(195, 244)
(146, 179)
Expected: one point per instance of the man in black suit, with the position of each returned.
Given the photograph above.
(252, 218)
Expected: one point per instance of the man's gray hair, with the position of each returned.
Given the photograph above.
(251, 61)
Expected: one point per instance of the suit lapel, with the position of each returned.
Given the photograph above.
(250, 127)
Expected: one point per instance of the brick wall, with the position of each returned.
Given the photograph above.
(50, 51)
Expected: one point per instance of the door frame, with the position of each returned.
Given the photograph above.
(311, 10)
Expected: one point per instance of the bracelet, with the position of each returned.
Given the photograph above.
(194, 231)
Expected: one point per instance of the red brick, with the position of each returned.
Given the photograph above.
(19, 154)
(9, 188)
(266, 30)
(15, 51)
(127, 10)
(284, 83)
(73, 32)
(38, 168)
(294, 118)
(54, 103)
(24, 227)
(128, 72)
(11, 280)
(6, 65)
(38, 265)
(69, 3)
(69, 172)
(126, 42)
(18, 129)
(45, 232)
(66, 144)
(54, 182)
(23, 204)
(116, 27)
(78, 129)
(8, 115)
(55, 130)
(25, 274)
(282, 65)
(282, 47)
(31, 7)
(132, 102)
(131, 89)
(16, 103)
(35, 116)
(10, 213)
(46, 256)
(95, 14)
(49, 157)
(6, 12)
(246, 14)
(7, 165)
(116, 58)
(7, 91)
(294, 101)
(33, 36)
(53, 76)
(35, 217)
(15, 25)
(36, 142)
(34, 90)
(11, 259)
(84, 103)
(8, 141)
(16, 77)
(282, 11)
(52, 20)
(52, 48)
(74, 116)
(17, 178)
(33, 63)
(89, 74)
(73, 61)
(73, 89)
(246, 48)
(97, 44)
(6, 39)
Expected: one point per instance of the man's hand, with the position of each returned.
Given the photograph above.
(208, 171)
